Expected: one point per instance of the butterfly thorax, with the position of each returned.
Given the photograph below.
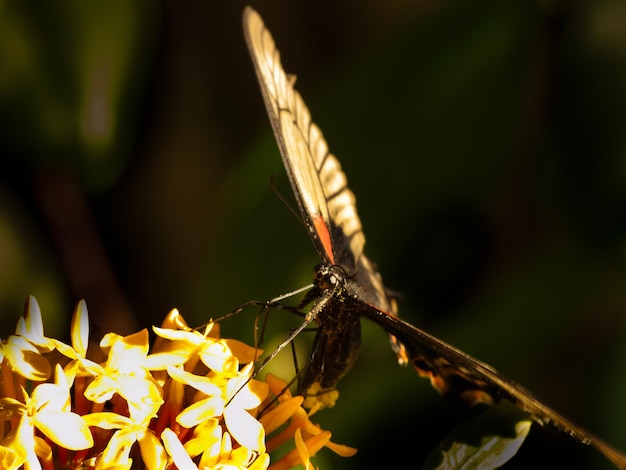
(338, 338)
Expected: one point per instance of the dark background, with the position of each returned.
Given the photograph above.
(485, 142)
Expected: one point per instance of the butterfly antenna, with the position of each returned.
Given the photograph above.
(275, 301)
(286, 203)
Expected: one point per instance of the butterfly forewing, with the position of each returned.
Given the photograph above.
(319, 184)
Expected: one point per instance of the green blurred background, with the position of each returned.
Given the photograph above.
(485, 141)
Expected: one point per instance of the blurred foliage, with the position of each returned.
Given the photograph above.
(484, 140)
(502, 430)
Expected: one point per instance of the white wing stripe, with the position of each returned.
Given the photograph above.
(319, 183)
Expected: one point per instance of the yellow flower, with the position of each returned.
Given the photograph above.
(124, 374)
(117, 452)
(205, 436)
(23, 351)
(247, 394)
(24, 358)
(202, 408)
(77, 352)
(48, 410)
(220, 355)
(230, 400)
(191, 402)
(30, 326)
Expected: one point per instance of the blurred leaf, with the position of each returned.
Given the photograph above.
(486, 442)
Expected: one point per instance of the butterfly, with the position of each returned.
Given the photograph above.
(346, 284)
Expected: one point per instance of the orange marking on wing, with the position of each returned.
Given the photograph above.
(474, 397)
(324, 235)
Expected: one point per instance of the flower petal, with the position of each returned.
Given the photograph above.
(342, 450)
(201, 410)
(205, 384)
(171, 353)
(279, 415)
(176, 450)
(242, 351)
(49, 397)
(44, 452)
(26, 360)
(68, 430)
(10, 459)
(249, 396)
(245, 429)
(127, 354)
(212, 450)
(31, 326)
(80, 328)
(188, 336)
(153, 453)
(205, 436)
(302, 449)
(107, 420)
(117, 452)
(217, 357)
(101, 389)
(261, 462)
(278, 387)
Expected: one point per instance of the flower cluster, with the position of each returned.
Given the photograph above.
(188, 402)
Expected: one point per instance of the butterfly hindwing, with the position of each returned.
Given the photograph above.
(459, 376)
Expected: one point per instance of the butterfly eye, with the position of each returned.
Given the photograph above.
(336, 275)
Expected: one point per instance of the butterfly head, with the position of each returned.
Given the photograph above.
(329, 277)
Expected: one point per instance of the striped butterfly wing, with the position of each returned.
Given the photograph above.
(319, 184)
